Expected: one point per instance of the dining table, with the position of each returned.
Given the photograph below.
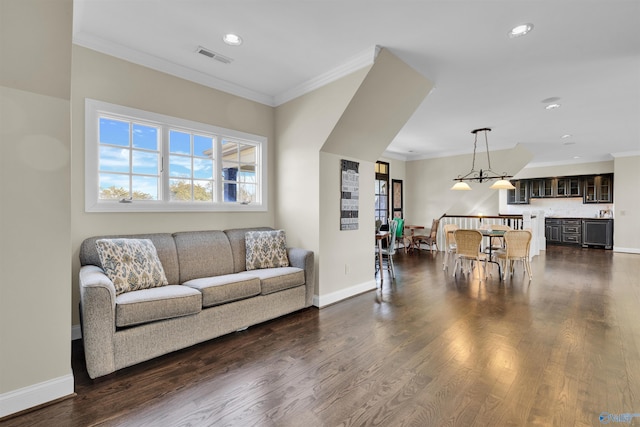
(491, 234)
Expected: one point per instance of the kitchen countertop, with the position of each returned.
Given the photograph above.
(580, 217)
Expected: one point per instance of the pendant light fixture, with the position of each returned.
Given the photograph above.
(482, 175)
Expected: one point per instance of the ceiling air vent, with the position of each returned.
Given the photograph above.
(213, 55)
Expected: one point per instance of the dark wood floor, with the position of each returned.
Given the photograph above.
(427, 350)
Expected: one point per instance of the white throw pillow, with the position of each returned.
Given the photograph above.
(131, 264)
(266, 249)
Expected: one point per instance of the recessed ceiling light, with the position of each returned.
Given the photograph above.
(520, 30)
(565, 136)
(552, 106)
(232, 39)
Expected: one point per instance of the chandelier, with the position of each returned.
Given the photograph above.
(482, 175)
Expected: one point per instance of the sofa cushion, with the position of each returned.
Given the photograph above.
(266, 249)
(236, 238)
(203, 254)
(277, 279)
(148, 305)
(131, 264)
(165, 247)
(222, 289)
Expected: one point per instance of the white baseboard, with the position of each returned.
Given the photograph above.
(626, 250)
(34, 395)
(76, 332)
(324, 300)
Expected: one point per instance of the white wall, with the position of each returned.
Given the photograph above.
(625, 206)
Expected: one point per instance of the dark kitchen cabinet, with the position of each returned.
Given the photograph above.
(598, 189)
(567, 231)
(571, 231)
(553, 230)
(568, 186)
(519, 196)
(542, 187)
(597, 232)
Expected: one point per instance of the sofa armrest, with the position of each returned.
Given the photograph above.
(98, 311)
(304, 259)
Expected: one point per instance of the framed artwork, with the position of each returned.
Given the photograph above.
(396, 199)
(349, 198)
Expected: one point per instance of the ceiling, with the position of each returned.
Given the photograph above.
(584, 53)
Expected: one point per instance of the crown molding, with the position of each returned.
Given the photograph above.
(144, 59)
(626, 154)
(357, 62)
(98, 44)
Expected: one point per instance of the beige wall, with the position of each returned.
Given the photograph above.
(35, 251)
(626, 232)
(343, 120)
(302, 127)
(429, 194)
(109, 79)
(347, 255)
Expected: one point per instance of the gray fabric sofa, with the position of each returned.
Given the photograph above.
(209, 294)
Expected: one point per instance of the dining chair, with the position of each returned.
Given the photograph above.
(468, 248)
(390, 250)
(517, 246)
(450, 242)
(430, 239)
(399, 236)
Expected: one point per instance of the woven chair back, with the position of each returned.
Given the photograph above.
(448, 235)
(517, 242)
(468, 242)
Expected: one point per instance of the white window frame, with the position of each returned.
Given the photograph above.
(93, 111)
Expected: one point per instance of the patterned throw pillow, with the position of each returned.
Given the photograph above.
(131, 264)
(266, 249)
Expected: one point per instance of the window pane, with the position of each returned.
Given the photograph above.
(145, 162)
(247, 175)
(145, 187)
(180, 190)
(180, 166)
(229, 150)
(179, 142)
(247, 154)
(114, 159)
(230, 192)
(246, 193)
(113, 186)
(114, 132)
(229, 173)
(202, 168)
(203, 191)
(202, 146)
(145, 137)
